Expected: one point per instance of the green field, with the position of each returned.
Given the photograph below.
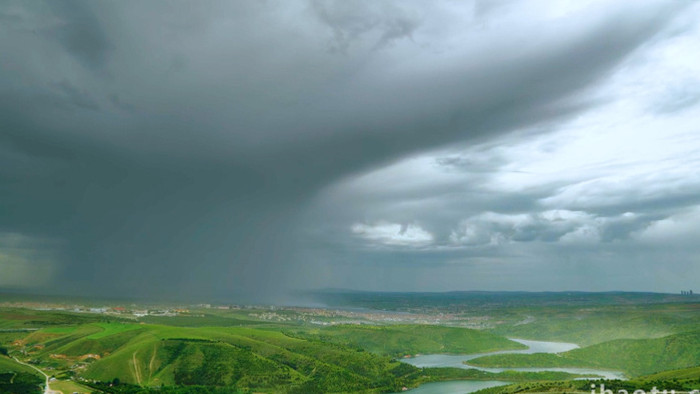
(20, 383)
(672, 381)
(112, 328)
(18, 378)
(399, 340)
(595, 324)
(345, 358)
(683, 373)
(225, 351)
(67, 386)
(635, 357)
(58, 330)
(7, 365)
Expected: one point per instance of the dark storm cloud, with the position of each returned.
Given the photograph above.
(170, 147)
(70, 95)
(80, 32)
(351, 19)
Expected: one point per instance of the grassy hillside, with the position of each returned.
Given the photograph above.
(18, 318)
(635, 357)
(9, 365)
(254, 359)
(236, 357)
(439, 374)
(333, 359)
(192, 362)
(683, 373)
(221, 351)
(113, 328)
(18, 378)
(20, 383)
(584, 387)
(647, 384)
(68, 386)
(399, 340)
(644, 356)
(596, 324)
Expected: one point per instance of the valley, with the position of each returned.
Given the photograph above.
(204, 348)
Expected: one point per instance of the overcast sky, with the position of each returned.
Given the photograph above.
(243, 149)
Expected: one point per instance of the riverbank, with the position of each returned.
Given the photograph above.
(464, 386)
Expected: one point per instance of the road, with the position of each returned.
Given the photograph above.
(47, 389)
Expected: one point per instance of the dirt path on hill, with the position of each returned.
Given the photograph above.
(137, 373)
(47, 388)
(150, 364)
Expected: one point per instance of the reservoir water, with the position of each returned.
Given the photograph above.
(468, 386)
(456, 387)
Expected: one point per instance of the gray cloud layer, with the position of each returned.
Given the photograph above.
(170, 148)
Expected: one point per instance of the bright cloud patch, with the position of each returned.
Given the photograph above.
(492, 228)
(394, 234)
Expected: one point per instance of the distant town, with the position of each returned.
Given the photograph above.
(264, 313)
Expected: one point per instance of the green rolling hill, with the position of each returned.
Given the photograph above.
(18, 378)
(399, 340)
(635, 357)
(222, 352)
(335, 359)
(683, 373)
(9, 365)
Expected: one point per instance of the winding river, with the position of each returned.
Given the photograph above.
(468, 386)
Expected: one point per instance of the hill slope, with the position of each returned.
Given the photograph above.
(635, 357)
(399, 340)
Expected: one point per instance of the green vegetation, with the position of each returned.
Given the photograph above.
(244, 358)
(125, 388)
(232, 357)
(27, 320)
(595, 324)
(330, 359)
(67, 386)
(81, 342)
(578, 317)
(206, 320)
(584, 386)
(215, 351)
(400, 340)
(439, 374)
(683, 373)
(635, 357)
(20, 383)
(644, 356)
(58, 330)
(18, 378)
(9, 365)
(112, 328)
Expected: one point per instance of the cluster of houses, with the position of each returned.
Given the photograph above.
(120, 310)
